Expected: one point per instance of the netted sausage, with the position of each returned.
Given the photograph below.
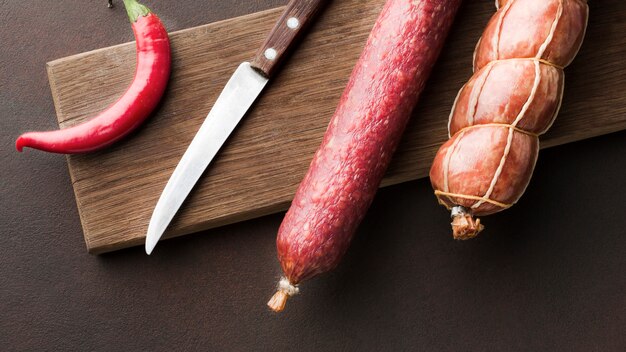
(512, 98)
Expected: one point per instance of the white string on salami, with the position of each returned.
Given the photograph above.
(501, 125)
(465, 196)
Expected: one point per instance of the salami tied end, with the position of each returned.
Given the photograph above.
(284, 291)
(464, 226)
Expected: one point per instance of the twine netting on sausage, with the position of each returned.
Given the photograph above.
(513, 97)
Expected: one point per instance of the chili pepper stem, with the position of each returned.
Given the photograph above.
(135, 10)
(464, 226)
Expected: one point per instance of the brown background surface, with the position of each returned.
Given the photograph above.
(546, 275)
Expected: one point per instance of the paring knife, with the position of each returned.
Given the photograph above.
(238, 95)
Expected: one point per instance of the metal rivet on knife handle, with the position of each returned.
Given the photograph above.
(284, 35)
(293, 23)
(270, 54)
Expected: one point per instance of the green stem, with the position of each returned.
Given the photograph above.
(135, 10)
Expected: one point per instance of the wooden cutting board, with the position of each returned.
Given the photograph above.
(261, 165)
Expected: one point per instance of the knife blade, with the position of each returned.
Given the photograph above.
(241, 91)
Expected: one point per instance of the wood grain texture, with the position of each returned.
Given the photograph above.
(261, 165)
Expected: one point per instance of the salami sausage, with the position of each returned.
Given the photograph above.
(361, 138)
(512, 98)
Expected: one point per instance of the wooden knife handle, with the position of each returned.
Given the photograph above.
(283, 37)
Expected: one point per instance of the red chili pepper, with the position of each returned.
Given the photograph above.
(143, 95)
